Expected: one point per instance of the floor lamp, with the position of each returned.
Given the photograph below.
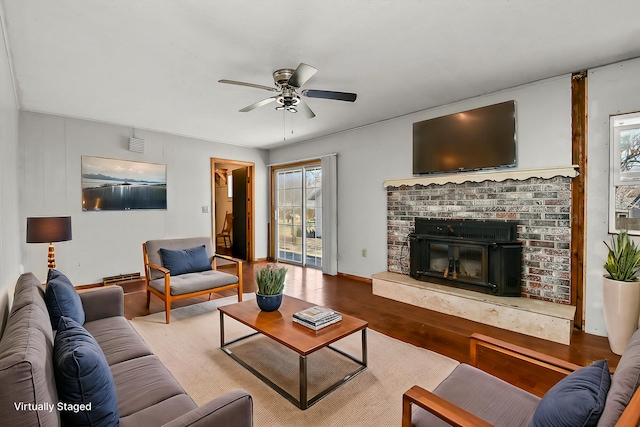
(49, 230)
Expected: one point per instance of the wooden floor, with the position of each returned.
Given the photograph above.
(438, 332)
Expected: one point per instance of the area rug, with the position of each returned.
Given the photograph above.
(190, 348)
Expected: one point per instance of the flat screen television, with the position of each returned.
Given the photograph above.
(484, 138)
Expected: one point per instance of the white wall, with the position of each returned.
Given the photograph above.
(9, 222)
(107, 243)
(614, 89)
(370, 155)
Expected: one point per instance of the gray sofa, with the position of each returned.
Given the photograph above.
(147, 393)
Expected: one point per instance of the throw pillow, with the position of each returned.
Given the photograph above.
(576, 400)
(86, 390)
(183, 261)
(62, 299)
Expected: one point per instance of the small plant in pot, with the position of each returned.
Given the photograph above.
(621, 291)
(270, 281)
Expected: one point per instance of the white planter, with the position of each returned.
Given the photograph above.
(621, 305)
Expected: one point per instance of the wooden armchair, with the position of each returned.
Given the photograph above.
(448, 411)
(169, 288)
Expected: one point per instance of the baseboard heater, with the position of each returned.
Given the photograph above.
(120, 278)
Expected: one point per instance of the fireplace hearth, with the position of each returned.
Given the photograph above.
(483, 256)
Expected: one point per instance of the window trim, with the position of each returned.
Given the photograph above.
(618, 123)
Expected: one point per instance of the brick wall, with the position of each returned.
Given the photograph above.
(541, 207)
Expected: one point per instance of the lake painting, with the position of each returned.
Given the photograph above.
(111, 184)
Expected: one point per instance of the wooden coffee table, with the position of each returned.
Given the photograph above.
(280, 327)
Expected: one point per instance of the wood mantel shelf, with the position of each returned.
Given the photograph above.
(492, 175)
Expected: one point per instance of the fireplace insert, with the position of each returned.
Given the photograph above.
(482, 256)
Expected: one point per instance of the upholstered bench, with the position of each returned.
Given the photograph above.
(176, 269)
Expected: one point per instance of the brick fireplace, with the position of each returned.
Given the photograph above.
(536, 201)
(541, 207)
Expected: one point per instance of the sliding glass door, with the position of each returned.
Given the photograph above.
(298, 215)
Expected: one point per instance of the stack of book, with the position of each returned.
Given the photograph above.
(317, 317)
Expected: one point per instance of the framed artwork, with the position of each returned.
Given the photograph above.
(113, 185)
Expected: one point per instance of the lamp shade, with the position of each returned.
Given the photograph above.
(48, 229)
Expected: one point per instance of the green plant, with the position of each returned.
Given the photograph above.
(270, 279)
(623, 260)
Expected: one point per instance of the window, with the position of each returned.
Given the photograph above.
(624, 197)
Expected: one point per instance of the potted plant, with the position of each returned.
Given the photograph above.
(621, 291)
(270, 281)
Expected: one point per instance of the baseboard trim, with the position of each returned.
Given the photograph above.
(354, 277)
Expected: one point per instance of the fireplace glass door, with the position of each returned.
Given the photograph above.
(457, 261)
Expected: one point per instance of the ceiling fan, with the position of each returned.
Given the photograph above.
(287, 83)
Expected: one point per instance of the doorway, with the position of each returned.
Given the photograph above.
(232, 219)
(297, 203)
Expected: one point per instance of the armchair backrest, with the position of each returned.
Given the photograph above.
(153, 250)
(624, 383)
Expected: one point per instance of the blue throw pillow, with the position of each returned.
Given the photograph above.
(62, 299)
(576, 400)
(184, 261)
(86, 390)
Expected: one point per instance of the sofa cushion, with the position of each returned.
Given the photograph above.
(488, 397)
(83, 378)
(162, 412)
(26, 366)
(181, 261)
(62, 299)
(576, 400)
(624, 383)
(28, 292)
(144, 382)
(117, 339)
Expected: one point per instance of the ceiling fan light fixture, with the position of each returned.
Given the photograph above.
(288, 81)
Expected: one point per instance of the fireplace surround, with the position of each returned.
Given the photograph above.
(538, 200)
(483, 256)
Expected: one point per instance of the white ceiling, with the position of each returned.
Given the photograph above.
(154, 64)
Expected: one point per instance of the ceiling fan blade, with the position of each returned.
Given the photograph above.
(328, 94)
(304, 109)
(303, 73)
(258, 104)
(233, 82)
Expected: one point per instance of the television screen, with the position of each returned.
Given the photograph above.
(483, 138)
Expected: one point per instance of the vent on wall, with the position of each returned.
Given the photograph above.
(136, 145)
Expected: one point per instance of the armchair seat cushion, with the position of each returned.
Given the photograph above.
(490, 398)
(195, 282)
